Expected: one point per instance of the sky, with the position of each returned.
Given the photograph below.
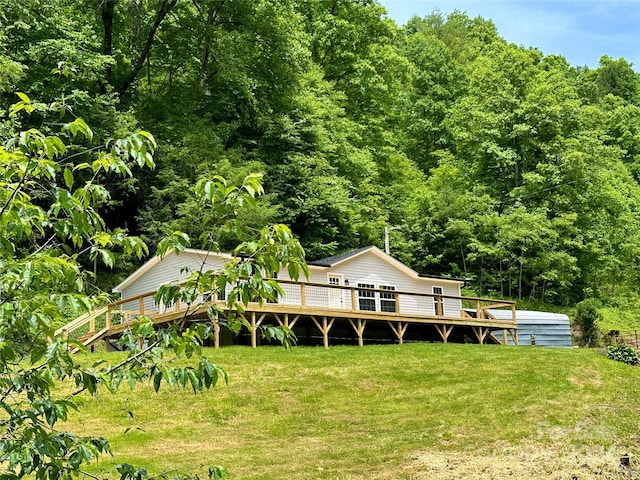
(580, 30)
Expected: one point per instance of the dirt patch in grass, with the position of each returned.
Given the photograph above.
(510, 463)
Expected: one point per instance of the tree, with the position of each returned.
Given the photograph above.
(49, 218)
(587, 318)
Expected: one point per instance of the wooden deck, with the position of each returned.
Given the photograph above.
(320, 305)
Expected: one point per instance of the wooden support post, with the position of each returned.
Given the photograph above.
(324, 329)
(254, 340)
(107, 318)
(354, 303)
(479, 312)
(504, 336)
(397, 300)
(216, 332)
(325, 332)
(513, 312)
(400, 330)
(514, 335)
(92, 324)
(481, 333)
(294, 321)
(438, 306)
(141, 306)
(444, 332)
(303, 295)
(359, 329)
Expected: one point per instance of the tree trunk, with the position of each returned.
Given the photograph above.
(107, 8)
(161, 14)
(214, 10)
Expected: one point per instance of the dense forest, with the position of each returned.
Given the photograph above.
(496, 163)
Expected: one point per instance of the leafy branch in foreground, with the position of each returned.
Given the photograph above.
(49, 218)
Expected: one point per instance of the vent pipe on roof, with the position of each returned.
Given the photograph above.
(386, 238)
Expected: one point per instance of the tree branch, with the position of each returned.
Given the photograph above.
(161, 14)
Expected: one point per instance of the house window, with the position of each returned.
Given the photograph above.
(387, 299)
(366, 298)
(438, 306)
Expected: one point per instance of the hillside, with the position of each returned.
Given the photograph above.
(498, 164)
(417, 411)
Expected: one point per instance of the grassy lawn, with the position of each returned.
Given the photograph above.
(416, 411)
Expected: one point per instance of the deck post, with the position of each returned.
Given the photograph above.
(325, 333)
(399, 331)
(254, 340)
(141, 305)
(216, 332)
(324, 328)
(481, 333)
(107, 318)
(303, 295)
(92, 324)
(514, 335)
(293, 322)
(504, 336)
(359, 329)
(354, 304)
(444, 332)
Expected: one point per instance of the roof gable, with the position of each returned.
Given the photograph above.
(373, 250)
(156, 260)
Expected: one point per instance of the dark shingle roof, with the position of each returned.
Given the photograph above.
(330, 261)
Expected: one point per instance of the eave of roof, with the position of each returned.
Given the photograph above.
(335, 259)
(439, 277)
(343, 257)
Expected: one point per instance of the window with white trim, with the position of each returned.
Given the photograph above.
(387, 298)
(366, 298)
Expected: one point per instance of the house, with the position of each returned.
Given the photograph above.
(358, 296)
(344, 294)
(376, 275)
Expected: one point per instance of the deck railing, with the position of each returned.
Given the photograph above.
(347, 301)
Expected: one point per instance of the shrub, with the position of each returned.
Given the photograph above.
(624, 354)
(587, 318)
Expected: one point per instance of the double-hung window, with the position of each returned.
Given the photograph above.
(366, 298)
(387, 299)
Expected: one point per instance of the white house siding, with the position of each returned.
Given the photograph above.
(369, 268)
(366, 268)
(171, 269)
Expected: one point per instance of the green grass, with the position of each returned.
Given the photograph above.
(622, 319)
(381, 412)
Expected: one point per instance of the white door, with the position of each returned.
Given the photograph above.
(336, 297)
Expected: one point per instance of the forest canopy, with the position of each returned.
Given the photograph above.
(498, 164)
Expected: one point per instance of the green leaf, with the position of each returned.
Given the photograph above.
(68, 177)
